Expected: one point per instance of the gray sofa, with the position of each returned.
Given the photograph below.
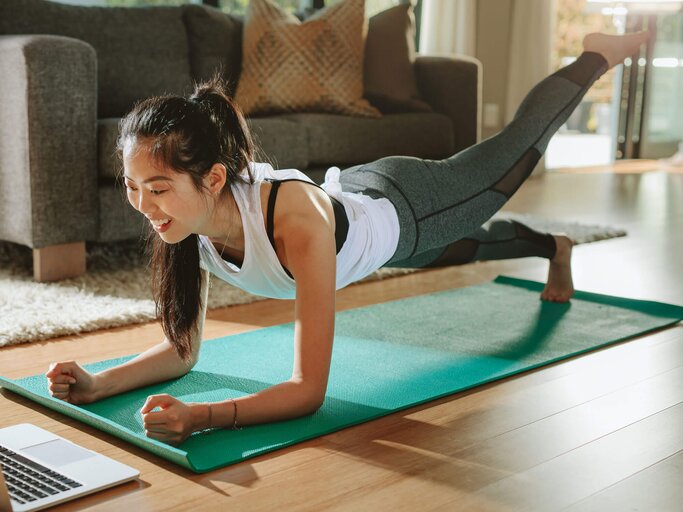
(68, 73)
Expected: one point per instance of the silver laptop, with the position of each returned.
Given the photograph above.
(42, 469)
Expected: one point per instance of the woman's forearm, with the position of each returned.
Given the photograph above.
(288, 400)
(156, 364)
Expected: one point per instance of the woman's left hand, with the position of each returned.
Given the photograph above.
(173, 424)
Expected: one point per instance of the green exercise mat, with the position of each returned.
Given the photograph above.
(386, 357)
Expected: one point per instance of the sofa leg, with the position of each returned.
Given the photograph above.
(57, 262)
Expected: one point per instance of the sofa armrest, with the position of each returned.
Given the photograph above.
(48, 140)
(452, 85)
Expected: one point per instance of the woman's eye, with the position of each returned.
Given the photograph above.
(154, 192)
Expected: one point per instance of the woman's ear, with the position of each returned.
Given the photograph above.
(217, 178)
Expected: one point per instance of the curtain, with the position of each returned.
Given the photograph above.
(530, 49)
(448, 26)
(529, 56)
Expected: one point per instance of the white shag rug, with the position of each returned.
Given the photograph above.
(115, 291)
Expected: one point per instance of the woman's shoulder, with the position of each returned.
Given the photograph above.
(301, 206)
(260, 171)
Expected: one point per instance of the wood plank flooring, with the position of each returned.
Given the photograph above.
(598, 432)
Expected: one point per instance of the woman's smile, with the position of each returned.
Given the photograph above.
(161, 225)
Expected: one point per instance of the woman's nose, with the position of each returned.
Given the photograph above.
(145, 204)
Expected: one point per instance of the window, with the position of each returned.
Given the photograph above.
(589, 135)
(372, 7)
(240, 6)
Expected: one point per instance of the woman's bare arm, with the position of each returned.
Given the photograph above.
(305, 244)
(68, 381)
(309, 252)
(157, 364)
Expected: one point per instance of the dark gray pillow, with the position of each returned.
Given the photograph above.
(215, 40)
(388, 76)
(141, 52)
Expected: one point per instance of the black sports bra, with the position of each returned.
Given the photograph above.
(341, 229)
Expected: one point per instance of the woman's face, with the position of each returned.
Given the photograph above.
(168, 199)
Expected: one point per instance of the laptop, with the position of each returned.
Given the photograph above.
(42, 469)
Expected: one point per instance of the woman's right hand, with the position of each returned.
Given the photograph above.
(71, 383)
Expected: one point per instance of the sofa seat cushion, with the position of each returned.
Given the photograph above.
(281, 142)
(141, 52)
(341, 140)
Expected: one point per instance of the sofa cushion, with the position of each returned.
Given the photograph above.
(314, 66)
(215, 40)
(341, 140)
(281, 142)
(118, 220)
(304, 141)
(388, 74)
(108, 163)
(141, 52)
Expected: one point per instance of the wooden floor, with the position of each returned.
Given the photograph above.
(600, 432)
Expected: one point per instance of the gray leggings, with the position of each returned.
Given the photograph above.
(443, 205)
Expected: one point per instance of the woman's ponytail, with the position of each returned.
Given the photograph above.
(176, 286)
(237, 146)
(187, 135)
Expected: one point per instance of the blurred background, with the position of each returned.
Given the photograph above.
(635, 111)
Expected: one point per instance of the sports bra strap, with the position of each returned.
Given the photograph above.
(271, 211)
(341, 220)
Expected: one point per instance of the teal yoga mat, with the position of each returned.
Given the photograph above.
(386, 357)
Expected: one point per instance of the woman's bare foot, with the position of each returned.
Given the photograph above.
(614, 48)
(560, 286)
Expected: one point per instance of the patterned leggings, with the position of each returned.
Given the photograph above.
(444, 206)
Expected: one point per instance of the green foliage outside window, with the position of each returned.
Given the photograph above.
(140, 3)
(240, 6)
(573, 23)
(230, 6)
(233, 6)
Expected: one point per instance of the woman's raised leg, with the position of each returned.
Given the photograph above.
(442, 201)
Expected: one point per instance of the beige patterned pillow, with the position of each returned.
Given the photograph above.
(314, 66)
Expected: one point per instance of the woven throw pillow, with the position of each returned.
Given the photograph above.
(389, 78)
(314, 66)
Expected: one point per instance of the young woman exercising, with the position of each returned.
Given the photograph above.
(188, 167)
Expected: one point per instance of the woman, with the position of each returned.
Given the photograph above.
(188, 167)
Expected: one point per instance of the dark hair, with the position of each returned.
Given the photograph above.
(186, 135)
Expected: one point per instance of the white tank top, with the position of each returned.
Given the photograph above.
(371, 240)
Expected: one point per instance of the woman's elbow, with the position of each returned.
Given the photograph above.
(312, 407)
(191, 364)
(314, 401)
(187, 365)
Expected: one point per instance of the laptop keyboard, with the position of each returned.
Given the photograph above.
(29, 481)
